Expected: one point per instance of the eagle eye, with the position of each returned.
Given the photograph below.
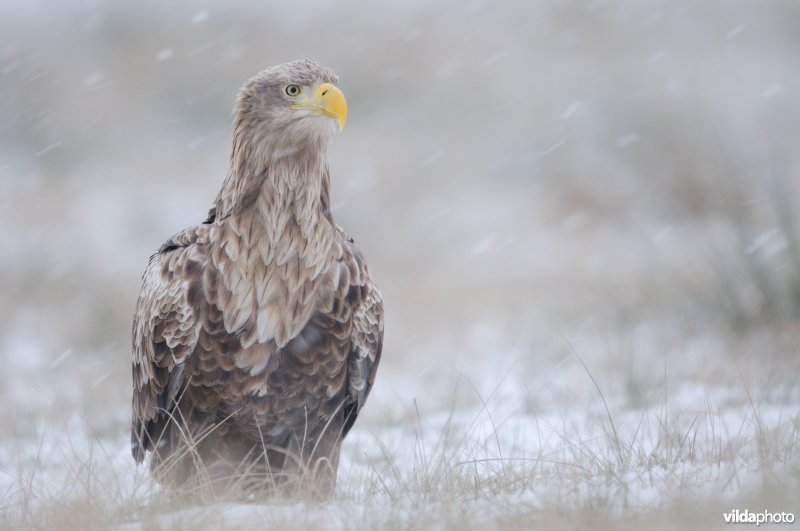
(293, 90)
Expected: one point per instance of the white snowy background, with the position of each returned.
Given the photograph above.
(582, 216)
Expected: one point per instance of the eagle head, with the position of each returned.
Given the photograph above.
(295, 101)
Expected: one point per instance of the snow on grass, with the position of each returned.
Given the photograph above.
(490, 464)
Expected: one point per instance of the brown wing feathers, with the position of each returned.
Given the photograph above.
(165, 332)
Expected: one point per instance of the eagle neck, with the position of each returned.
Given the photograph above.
(282, 210)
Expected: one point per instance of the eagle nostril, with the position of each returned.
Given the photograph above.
(325, 92)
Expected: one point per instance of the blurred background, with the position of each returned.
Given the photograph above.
(526, 179)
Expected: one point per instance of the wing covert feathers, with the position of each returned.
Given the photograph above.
(166, 328)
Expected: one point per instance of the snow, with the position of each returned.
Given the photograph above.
(496, 57)
(690, 444)
(657, 57)
(572, 109)
(60, 358)
(200, 17)
(734, 31)
(433, 157)
(771, 91)
(484, 245)
(93, 79)
(165, 54)
(627, 139)
(44, 151)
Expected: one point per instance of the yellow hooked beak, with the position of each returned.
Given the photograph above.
(327, 101)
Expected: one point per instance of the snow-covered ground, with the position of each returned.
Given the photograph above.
(570, 446)
(582, 216)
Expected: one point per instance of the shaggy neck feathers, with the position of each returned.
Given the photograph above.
(278, 180)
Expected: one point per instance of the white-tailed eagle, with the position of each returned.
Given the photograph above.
(258, 332)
